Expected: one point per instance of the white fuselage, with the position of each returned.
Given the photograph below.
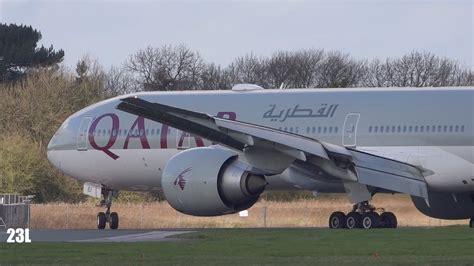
(431, 128)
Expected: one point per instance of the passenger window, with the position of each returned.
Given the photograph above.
(450, 128)
(314, 130)
(393, 129)
(381, 129)
(319, 130)
(307, 130)
(376, 129)
(152, 131)
(462, 128)
(422, 128)
(416, 128)
(410, 129)
(445, 128)
(456, 129)
(330, 130)
(370, 129)
(439, 128)
(404, 129)
(387, 129)
(158, 131)
(325, 130)
(335, 130)
(399, 129)
(433, 128)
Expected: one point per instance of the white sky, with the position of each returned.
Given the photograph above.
(223, 30)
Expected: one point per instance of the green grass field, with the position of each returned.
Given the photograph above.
(446, 245)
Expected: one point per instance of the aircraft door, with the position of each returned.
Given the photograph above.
(350, 130)
(182, 140)
(82, 134)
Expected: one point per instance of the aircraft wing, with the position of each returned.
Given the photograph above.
(349, 165)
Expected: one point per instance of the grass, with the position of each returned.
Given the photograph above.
(441, 245)
(300, 213)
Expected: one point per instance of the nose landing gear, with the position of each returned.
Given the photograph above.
(363, 215)
(107, 217)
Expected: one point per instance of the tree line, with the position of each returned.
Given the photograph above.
(38, 93)
(180, 68)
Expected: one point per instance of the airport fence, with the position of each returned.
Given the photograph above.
(299, 213)
(14, 211)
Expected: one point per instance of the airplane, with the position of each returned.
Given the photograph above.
(215, 152)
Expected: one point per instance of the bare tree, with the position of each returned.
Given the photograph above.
(417, 70)
(307, 66)
(214, 78)
(248, 69)
(340, 71)
(280, 69)
(119, 81)
(166, 68)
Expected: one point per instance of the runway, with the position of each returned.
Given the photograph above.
(94, 235)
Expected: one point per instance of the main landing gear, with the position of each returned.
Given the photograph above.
(107, 217)
(363, 215)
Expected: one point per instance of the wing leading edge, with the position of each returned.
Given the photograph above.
(348, 165)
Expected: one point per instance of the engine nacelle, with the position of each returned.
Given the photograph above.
(446, 206)
(210, 181)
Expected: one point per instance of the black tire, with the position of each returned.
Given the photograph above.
(337, 220)
(101, 220)
(471, 223)
(113, 220)
(388, 220)
(353, 220)
(370, 220)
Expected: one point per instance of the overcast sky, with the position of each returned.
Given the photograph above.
(220, 31)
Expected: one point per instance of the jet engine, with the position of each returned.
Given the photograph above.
(446, 205)
(210, 181)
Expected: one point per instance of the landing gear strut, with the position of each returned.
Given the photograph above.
(363, 215)
(107, 217)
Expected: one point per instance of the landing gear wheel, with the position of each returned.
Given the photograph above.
(370, 220)
(388, 220)
(471, 223)
(101, 220)
(113, 220)
(337, 220)
(353, 220)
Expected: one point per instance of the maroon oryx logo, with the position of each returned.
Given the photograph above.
(180, 181)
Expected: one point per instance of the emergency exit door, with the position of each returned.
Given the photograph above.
(349, 138)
